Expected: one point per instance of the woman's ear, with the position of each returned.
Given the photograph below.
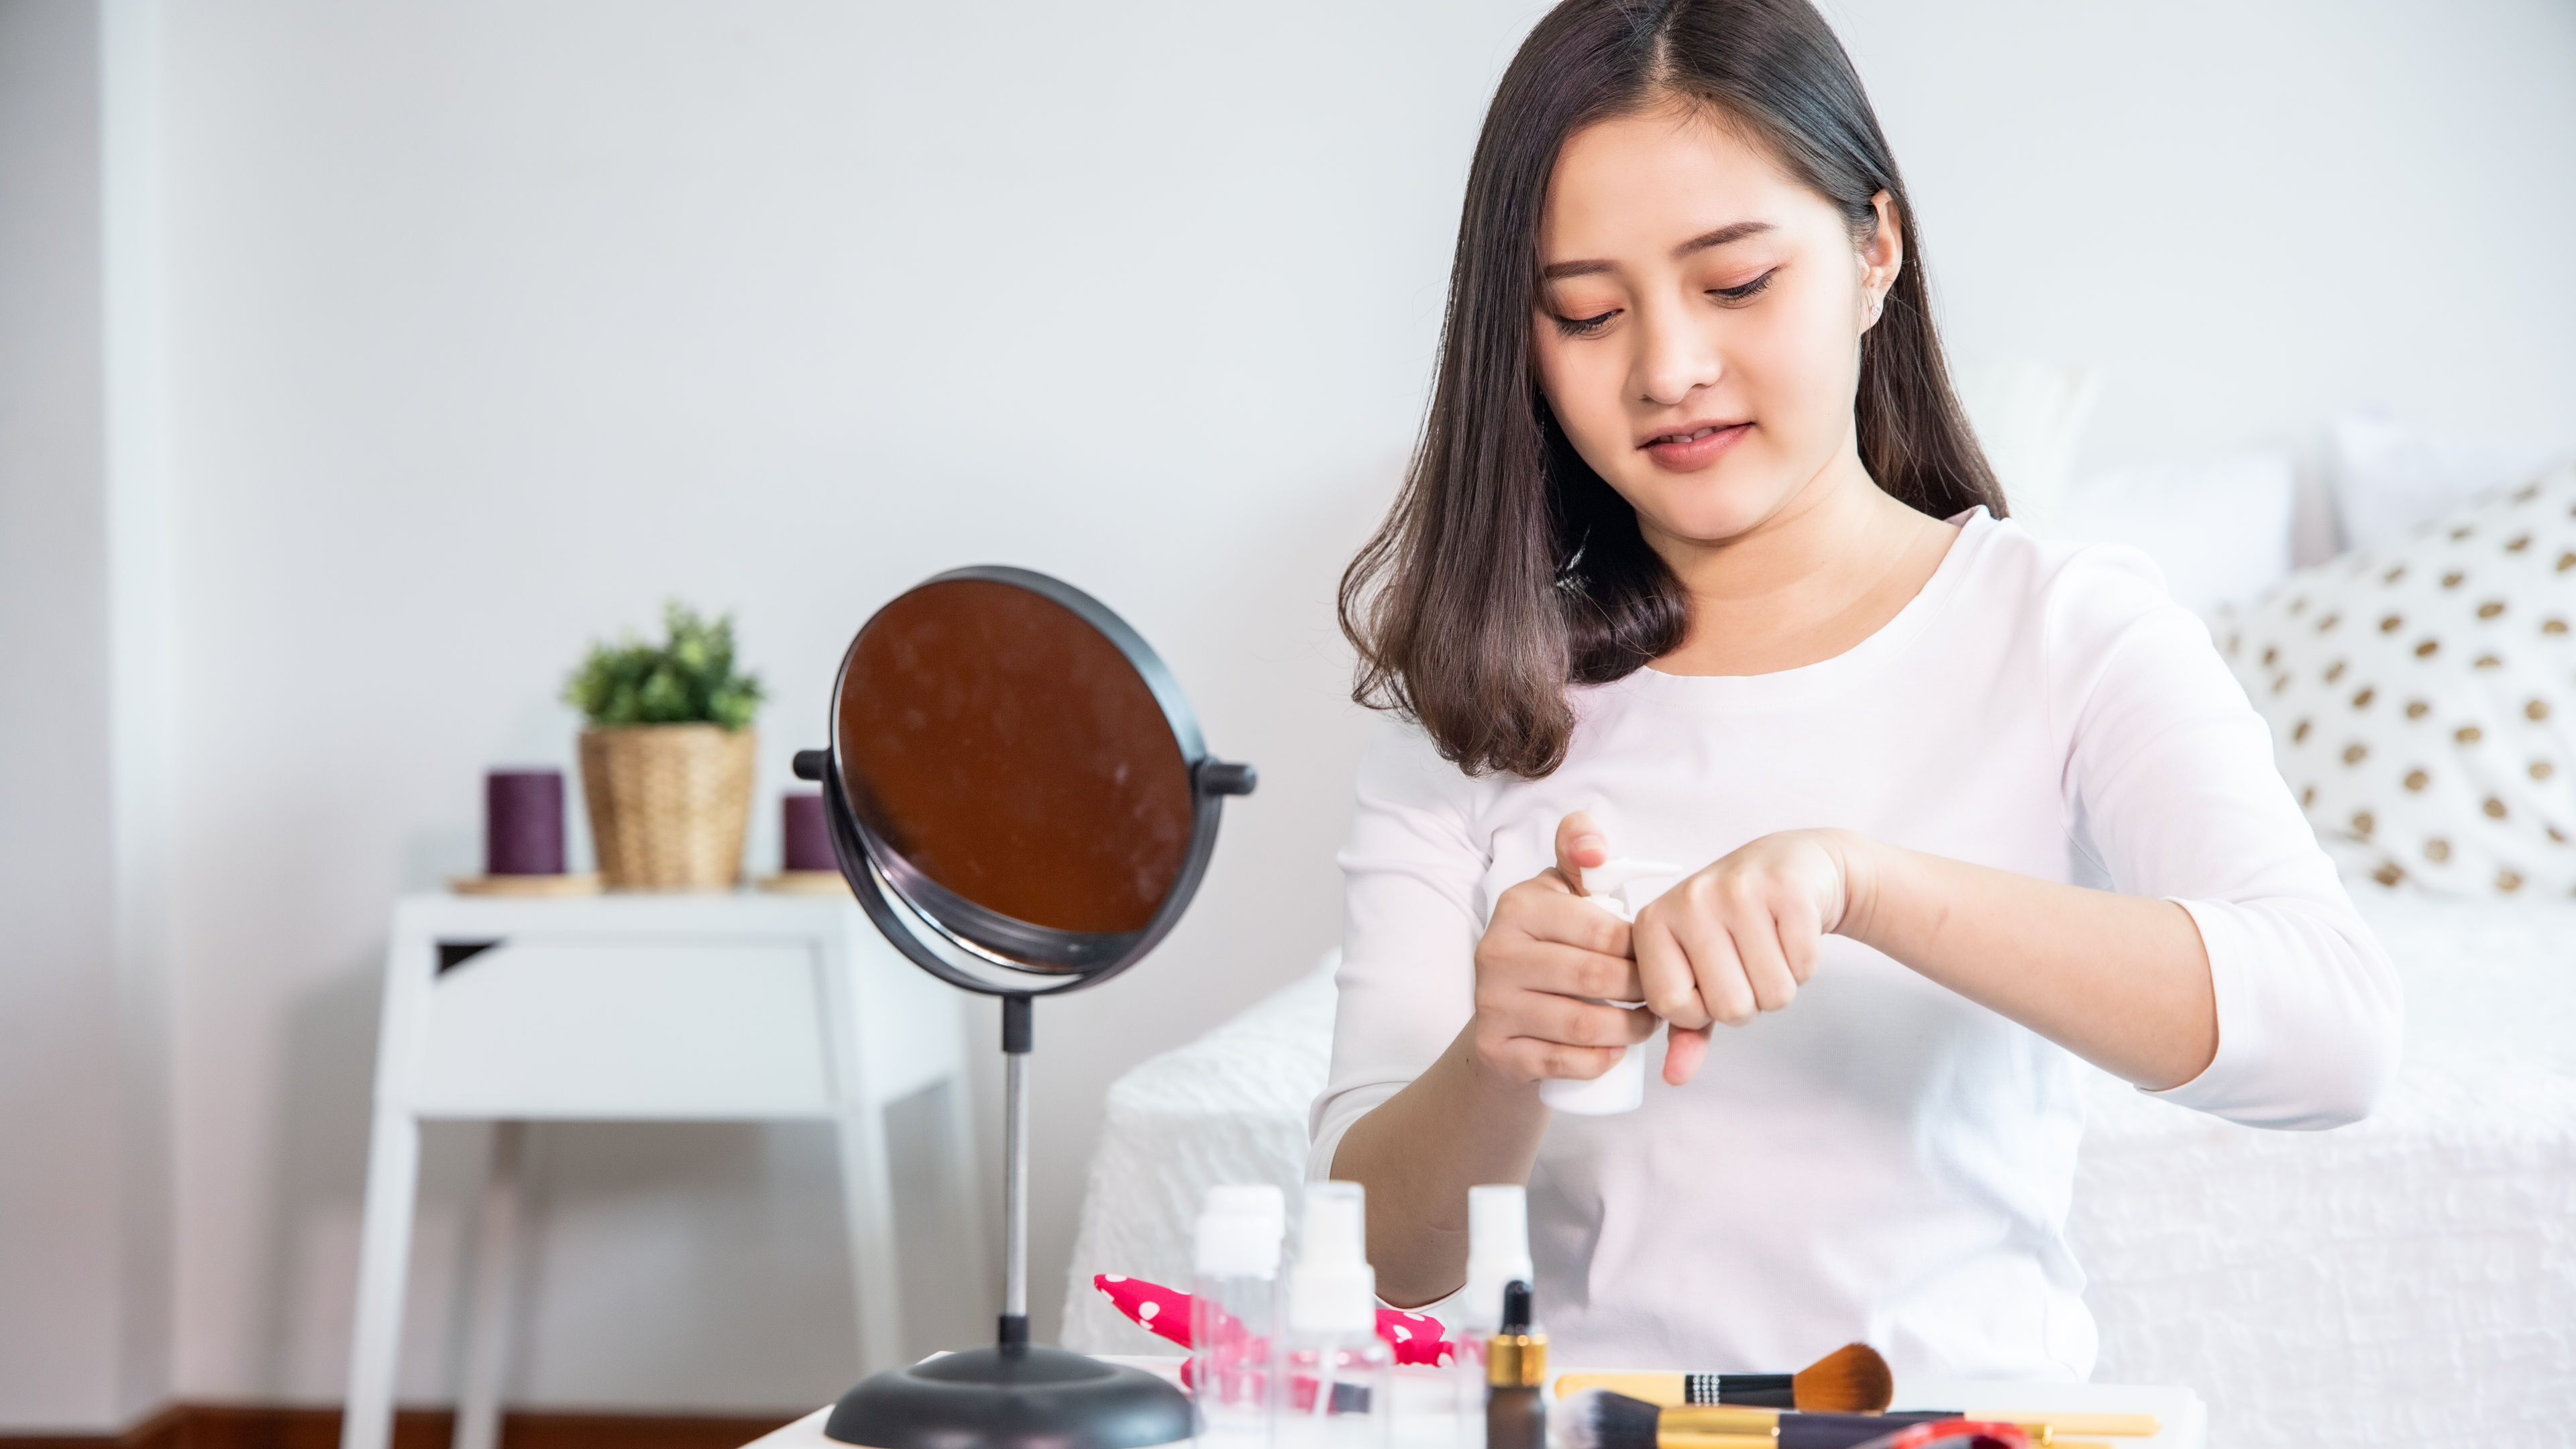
(1882, 256)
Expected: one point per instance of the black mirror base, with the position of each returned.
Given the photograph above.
(1016, 1396)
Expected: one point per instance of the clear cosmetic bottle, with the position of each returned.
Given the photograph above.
(1234, 1314)
(1335, 1377)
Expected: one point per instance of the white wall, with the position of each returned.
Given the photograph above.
(84, 1052)
(493, 324)
(490, 325)
(60, 1258)
(2249, 215)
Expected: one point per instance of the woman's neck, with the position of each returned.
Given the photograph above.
(1830, 568)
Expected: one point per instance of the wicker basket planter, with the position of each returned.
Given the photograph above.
(668, 804)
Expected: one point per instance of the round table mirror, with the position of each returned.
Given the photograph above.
(1019, 796)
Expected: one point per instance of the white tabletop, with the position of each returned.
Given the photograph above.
(2185, 1419)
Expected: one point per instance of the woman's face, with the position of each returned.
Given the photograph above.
(1699, 315)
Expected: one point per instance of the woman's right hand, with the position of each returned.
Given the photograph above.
(1546, 950)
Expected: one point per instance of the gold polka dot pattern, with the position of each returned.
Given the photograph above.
(2467, 788)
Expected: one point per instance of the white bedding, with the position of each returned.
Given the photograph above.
(2374, 1285)
(2379, 1284)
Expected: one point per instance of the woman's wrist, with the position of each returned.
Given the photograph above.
(1866, 868)
(1488, 1085)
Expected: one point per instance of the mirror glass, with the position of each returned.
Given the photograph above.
(1012, 767)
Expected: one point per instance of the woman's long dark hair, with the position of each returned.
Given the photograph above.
(1507, 569)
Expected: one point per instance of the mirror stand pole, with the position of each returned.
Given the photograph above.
(1016, 1034)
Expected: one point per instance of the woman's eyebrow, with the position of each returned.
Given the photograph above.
(1731, 232)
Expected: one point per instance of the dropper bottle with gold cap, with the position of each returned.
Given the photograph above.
(1515, 1367)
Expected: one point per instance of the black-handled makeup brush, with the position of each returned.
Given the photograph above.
(1601, 1419)
(1853, 1379)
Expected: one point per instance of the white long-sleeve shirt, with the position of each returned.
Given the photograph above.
(1883, 1160)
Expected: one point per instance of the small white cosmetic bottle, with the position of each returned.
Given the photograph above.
(1335, 1377)
(1234, 1314)
(1497, 1253)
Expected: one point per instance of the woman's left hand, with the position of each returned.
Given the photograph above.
(1742, 935)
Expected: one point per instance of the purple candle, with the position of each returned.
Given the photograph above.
(523, 822)
(808, 838)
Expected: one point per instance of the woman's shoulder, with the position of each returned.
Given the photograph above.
(1402, 766)
(2067, 584)
(2094, 616)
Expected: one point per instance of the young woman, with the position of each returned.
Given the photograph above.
(1698, 561)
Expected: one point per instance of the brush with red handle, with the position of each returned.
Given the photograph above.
(1417, 1338)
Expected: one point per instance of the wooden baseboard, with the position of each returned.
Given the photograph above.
(258, 1426)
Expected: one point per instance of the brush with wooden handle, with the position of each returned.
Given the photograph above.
(2045, 1428)
(1853, 1379)
(1600, 1419)
(1871, 1434)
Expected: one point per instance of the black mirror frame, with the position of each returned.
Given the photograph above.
(878, 876)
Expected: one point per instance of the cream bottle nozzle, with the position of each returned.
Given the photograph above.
(1497, 1252)
(1332, 1289)
(1607, 884)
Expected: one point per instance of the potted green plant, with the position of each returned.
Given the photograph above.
(667, 754)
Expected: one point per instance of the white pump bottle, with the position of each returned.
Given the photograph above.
(1497, 1253)
(1334, 1376)
(1621, 887)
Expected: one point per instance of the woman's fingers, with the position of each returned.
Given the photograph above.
(1541, 909)
(1731, 942)
(1684, 1050)
(1582, 1064)
(1687, 958)
(1717, 968)
(1802, 936)
(1748, 932)
(1533, 1036)
(1579, 843)
(1665, 977)
(1571, 1022)
(1556, 972)
(1755, 933)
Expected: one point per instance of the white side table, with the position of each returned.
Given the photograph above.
(640, 1007)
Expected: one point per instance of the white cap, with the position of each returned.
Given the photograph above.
(1333, 1289)
(1610, 883)
(1239, 1232)
(1497, 1252)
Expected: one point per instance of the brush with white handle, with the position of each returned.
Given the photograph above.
(1620, 887)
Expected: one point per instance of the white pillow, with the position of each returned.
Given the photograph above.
(2029, 416)
(2220, 530)
(2422, 697)
(2386, 477)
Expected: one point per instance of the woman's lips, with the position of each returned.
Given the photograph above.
(1695, 448)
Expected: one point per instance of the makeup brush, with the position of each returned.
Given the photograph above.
(1600, 1419)
(1866, 1431)
(1852, 1379)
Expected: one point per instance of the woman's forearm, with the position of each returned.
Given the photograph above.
(2122, 981)
(1456, 1126)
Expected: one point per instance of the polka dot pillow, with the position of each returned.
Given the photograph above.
(2422, 696)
